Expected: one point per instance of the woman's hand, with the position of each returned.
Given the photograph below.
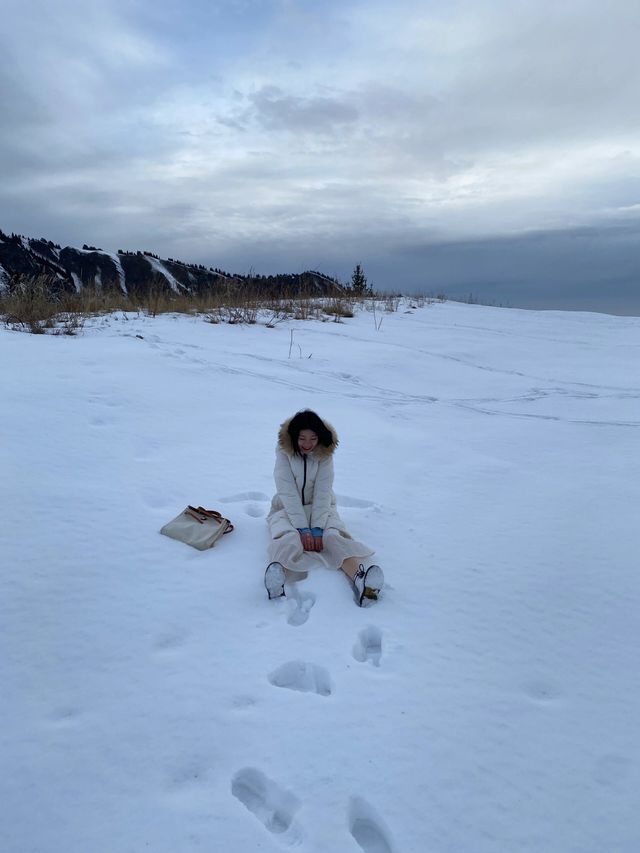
(311, 538)
(308, 541)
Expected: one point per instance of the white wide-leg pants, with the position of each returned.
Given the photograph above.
(338, 546)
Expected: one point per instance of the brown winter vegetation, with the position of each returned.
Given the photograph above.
(34, 305)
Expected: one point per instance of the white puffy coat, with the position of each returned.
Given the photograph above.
(304, 487)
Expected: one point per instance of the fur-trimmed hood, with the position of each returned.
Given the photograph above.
(321, 452)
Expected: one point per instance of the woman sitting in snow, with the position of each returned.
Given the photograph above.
(303, 515)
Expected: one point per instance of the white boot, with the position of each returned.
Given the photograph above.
(367, 585)
(274, 580)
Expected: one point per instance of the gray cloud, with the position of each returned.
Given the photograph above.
(356, 133)
(585, 268)
(274, 110)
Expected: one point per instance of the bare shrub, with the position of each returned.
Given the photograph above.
(420, 300)
(68, 323)
(339, 307)
(239, 314)
(391, 303)
(278, 311)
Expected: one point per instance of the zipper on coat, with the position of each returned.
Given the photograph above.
(304, 482)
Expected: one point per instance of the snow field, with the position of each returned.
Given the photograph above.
(155, 699)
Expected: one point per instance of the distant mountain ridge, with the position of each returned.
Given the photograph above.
(135, 273)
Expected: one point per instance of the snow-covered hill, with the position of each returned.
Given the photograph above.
(134, 273)
(154, 699)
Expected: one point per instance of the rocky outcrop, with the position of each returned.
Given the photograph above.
(135, 273)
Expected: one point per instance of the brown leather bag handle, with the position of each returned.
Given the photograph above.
(196, 511)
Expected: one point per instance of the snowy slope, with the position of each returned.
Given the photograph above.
(154, 699)
(159, 267)
(118, 265)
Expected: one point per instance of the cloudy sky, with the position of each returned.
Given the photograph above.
(467, 146)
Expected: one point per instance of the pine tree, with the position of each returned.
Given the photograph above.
(359, 281)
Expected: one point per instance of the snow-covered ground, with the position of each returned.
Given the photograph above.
(152, 698)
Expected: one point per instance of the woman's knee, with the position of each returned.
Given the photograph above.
(288, 544)
(330, 536)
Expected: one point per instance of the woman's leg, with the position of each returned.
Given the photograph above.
(294, 577)
(351, 565)
(346, 553)
(367, 579)
(288, 551)
(285, 555)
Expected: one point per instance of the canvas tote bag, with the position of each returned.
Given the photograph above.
(198, 527)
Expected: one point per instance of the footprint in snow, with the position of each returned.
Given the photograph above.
(306, 677)
(101, 422)
(64, 716)
(368, 828)
(254, 510)
(170, 641)
(369, 646)
(242, 702)
(541, 690)
(274, 806)
(299, 604)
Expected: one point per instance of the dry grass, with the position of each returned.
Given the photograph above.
(340, 307)
(36, 305)
(31, 306)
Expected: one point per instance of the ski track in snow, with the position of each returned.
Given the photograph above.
(490, 368)
(376, 394)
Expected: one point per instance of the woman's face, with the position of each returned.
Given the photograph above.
(307, 441)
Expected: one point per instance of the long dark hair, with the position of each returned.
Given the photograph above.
(306, 419)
